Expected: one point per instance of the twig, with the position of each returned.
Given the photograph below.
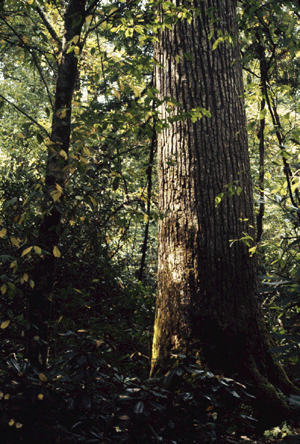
(25, 114)
(48, 24)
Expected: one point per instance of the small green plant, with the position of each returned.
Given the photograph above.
(279, 432)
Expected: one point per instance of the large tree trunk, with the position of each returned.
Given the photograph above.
(56, 175)
(207, 288)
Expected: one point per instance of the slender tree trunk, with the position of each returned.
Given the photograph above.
(290, 179)
(148, 210)
(263, 76)
(56, 174)
(207, 288)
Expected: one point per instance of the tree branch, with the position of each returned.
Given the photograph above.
(48, 24)
(23, 44)
(280, 138)
(127, 4)
(89, 9)
(25, 114)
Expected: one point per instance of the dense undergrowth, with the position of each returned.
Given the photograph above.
(84, 398)
(96, 387)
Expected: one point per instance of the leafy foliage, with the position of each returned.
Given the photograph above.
(86, 399)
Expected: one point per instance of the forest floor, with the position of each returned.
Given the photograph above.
(288, 439)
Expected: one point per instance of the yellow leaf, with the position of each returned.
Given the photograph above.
(48, 142)
(75, 39)
(7, 396)
(86, 151)
(61, 114)
(83, 160)
(15, 241)
(18, 425)
(55, 194)
(71, 169)
(146, 218)
(3, 289)
(28, 250)
(56, 252)
(59, 188)
(77, 50)
(25, 277)
(124, 418)
(88, 19)
(1, 395)
(41, 396)
(94, 202)
(31, 283)
(116, 93)
(3, 232)
(5, 324)
(11, 422)
(252, 250)
(20, 136)
(37, 249)
(42, 377)
(135, 90)
(63, 154)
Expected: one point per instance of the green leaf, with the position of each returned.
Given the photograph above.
(116, 183)
(188, 56)
(139, 407)
(262, 114)
(217, 42)
(39, 137)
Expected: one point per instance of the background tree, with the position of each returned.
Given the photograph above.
(207, 287)
(271, 45)
(55, 182)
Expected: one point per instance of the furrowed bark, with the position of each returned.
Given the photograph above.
(207, 303)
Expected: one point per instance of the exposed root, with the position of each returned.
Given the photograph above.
(270, 404)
